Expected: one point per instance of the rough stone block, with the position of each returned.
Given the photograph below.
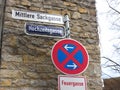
(76, 15)
(54, 12)
(10, 74)
(5, 83)
(83, 10)
(16, 58)
(25, 3)
(69, 4)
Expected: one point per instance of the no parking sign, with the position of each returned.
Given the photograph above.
(69, 56)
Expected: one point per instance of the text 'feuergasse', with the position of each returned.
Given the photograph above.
(73, 84)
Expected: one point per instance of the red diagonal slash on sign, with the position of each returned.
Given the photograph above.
(70, 56)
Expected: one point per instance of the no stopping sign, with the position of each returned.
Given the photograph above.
(69, 56)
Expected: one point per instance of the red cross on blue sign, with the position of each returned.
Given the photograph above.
(69, 56)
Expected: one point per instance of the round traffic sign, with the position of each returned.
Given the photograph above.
(69, 56)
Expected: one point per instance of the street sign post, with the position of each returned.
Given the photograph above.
(71, 83)
(44, 30)
(69, 56)
(67, 26)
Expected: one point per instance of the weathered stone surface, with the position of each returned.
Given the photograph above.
(38, 83)
(91, 41)
(12, 65)
(10, 2)
(95, 84)
(93, 70)
(64, 12)
(54, 12)
(34, 8)
(10, 74)
(69, 4)
(32, 75)
(5, 82)
(83, 10)
(26, 2)
(76, 15)
(16, 58)
(26, 88)
(21, 82)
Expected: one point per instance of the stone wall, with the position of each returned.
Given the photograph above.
(26, 60)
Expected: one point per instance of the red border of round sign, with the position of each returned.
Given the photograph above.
(57, 64)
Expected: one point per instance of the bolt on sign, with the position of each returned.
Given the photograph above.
(71, 83)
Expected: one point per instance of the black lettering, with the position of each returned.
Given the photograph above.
(33, 16)
(17, 13)
(21, 14)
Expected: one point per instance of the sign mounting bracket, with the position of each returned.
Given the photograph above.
(67, 25)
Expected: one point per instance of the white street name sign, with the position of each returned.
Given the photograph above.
(35, 16)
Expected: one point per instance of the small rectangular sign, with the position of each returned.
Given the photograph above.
(71, 83)
(34, 16)
(44, 30)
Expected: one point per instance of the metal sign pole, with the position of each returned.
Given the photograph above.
(67, 27)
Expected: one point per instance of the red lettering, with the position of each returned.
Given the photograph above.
(73, 84)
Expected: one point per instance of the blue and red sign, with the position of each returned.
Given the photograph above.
(69, 56)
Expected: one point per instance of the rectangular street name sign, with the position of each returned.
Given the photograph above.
(44, 30)
(71, 83)
(35, 16)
